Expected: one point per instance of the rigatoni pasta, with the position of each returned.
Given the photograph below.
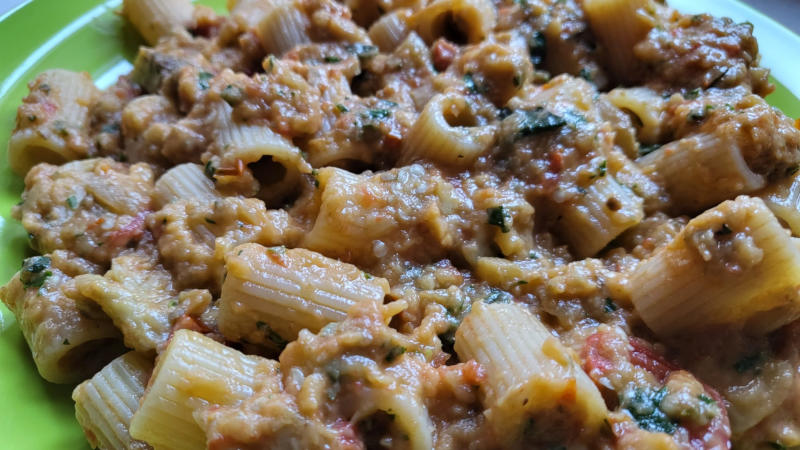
(104, 404)
(737, 267)
(448, 132)
(53, 126)
(533, 385)
(271, 293)
(155, 19)
(194, 372)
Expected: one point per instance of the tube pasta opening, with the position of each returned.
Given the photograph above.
(701, 171)
(459, 21)
(447, 132)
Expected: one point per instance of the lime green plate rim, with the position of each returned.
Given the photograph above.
(88, 35)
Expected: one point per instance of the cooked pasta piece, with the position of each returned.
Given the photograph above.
(447, 132)
(184, 182)
(242, 144)
(597, 214)
(647, 105)
(619, 25)
(700, 171)
(53, 123)
(136, 293)
(249, 13)
(155, 19)
(69, 336)
(732, 266)
(535, 393)
(408, 413)
(390, 30)
(459, 21)
(271, 293)
(194, 372)
(104, 404)
(783, 198)
(283, 28)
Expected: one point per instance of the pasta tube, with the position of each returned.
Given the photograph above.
(283, 28)
(732, 266)
(69, 336)
(184, 182)
(700, 171)
(459, 21)
(154, 19)
(619, 25)
(536, 393)
(104, 404)
(783, 198)
(598, 214)
(270, 294)
(193, 372)
(447, 132)
(390, 30)
(53, 123)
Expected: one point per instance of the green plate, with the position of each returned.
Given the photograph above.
(88, 35)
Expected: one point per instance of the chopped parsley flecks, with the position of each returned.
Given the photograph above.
(202, 79)
(498, 216)
(644, 405)
(498, 296)
(538, 120)
(395, 352)
(35, 271)
(537, 47)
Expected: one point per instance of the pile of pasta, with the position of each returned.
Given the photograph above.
(416, 224)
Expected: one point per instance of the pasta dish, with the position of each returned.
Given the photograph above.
(416, 224)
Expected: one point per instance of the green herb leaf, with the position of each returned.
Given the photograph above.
(332, 59)
(498, 217)
(601, 170)
(202, 80)
(472, 86)
(537, 47)
(610, 306)
(647, 149)
(538, 120)
(341, 108)
(693, 94)
(395, 352)
(210, 170)
(72, 202)
(644, 406)
(706, 399)
(498, 296)
(378, 113)
(363, 51)
(34, 271)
